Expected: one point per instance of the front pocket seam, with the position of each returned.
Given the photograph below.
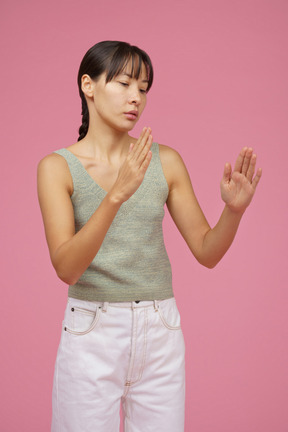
(84, 311)
(166, 324)
(94, 323)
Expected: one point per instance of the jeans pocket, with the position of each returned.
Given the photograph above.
(81, 320)
(169, 314)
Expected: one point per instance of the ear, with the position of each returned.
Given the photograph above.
(87, 85)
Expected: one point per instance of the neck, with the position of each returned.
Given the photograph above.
(105, 143)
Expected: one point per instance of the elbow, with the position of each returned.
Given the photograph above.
(210, 260)
(209, 266)
(67, 279)
(65, 275)
(64, 271)
(208, 263)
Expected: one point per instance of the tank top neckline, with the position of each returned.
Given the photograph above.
(86, 172)
(101, 193)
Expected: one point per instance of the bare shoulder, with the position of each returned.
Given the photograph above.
(52, 161)
(53, 168)
(172, 164)
(168, 154)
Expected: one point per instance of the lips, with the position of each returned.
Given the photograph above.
(131, 115)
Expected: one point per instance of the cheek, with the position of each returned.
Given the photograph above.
(117, 100)
(143, 105)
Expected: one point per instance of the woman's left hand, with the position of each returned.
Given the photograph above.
(238, 187)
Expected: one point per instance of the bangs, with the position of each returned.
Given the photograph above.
(122, 57)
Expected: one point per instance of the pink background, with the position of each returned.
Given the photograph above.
(220, 83)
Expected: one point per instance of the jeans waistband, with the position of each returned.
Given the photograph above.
(130, 304)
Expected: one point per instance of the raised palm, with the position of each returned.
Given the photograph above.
(238, 187)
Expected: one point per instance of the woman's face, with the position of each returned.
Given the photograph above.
(120, 102)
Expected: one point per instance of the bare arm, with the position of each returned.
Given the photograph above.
(237, 189)
(72, 253)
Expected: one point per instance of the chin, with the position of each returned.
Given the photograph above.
(121, 125)
(125, 128)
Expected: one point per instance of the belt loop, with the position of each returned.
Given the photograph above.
(156, 305)
(104, 306)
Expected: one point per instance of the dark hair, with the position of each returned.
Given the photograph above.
(110, 57)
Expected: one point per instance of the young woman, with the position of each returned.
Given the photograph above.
(102, 202)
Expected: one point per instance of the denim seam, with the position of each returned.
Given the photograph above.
(166, 324)
(92, 326)
(144, 351)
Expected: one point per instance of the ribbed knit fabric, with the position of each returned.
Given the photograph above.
(132, 263)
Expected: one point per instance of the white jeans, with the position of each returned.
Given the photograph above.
(120, 352)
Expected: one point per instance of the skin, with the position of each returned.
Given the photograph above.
(118, 163)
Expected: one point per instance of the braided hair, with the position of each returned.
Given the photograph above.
(110, 57)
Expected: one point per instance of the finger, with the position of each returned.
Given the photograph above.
(131, 148)
(251, 168)
(144, 137)
(146, 162)
(246, 161)
(141, 135)
(145, 150)
(135, 145)
(257, 178)
(240, 160)
(144, 145)
(227, 173)
(140, 142)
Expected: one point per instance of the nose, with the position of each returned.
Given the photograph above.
(135, 97)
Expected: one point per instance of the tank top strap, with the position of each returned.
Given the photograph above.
(81, 179)
(156, 166)
(71, 160)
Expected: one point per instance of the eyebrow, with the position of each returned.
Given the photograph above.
(130, 76)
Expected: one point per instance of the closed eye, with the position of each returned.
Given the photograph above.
(144, 91)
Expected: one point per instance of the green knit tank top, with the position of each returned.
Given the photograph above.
(132, 262)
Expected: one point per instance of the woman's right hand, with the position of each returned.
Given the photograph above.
(132, 172)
